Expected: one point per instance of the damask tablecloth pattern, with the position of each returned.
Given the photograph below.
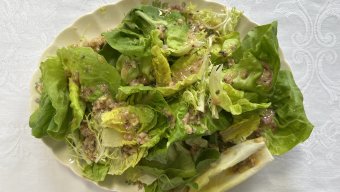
(309, 35)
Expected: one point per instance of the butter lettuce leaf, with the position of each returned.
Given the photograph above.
(161, 67)
(133, 37)
(128, 68)
(228, 98)
(56, 96)
(135, 70)
(42, 117)
(130, 119)
(176, 166)
(242, 127)
(257, 61)
(78, 106)
(120, 161)
(128, 42)
(186, 71)
(96, 172)
(96, 77)
(224, 47)
(177, 34)
(145, 95)
(245, 75)
(292, 124)
(145, 18)
(190, 123)
(224, 22)
(111, 55)
(176, 172)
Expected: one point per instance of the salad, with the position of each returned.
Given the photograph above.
(172, 99)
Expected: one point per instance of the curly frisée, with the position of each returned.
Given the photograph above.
(172, 99)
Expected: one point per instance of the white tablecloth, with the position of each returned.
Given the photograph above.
(308, 33)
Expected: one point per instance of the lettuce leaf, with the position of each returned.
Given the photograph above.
(147, 18)
(111, 55)
(161, 67)
(42, 117)
(191, 96)
(78, 106)
(120, 161)
(179, 109)
(92, 71)
(205, 157)
(202, 125)
(257, 61)
(186, 66)
(228, 98)
(125, 91)
(158, 132)
(181, 164)
(133, 38)
(186, 71)
(128, 68)
(292, 124)
(85, 70)
(177, 171)
(222, 22)
(144, 18)
(180, 85)
(176, 166)
(224, 46)
(262, 43)
(152, 188)
(134, 68)
(130, 119)
(145, 95)
(128, 42)
(177, 34)
(242, 127)
(55, 95)
(159, 152)
(245, 75)
(96, 172)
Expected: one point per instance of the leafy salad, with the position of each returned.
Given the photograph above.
(162, 98)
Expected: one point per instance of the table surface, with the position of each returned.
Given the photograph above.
(308, 34)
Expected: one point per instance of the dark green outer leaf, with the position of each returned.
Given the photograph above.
(111, 55)
(293, 125)
(42, 117)
(205, 158)
(128, 42)
(55, 84)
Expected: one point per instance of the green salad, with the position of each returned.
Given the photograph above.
(166, 93)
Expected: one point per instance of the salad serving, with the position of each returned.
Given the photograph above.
(172, 99)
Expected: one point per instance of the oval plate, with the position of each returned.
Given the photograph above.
(90, 26)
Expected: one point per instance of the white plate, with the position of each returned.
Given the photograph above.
(90, 26)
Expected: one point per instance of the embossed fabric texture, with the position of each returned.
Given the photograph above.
(309, 35)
